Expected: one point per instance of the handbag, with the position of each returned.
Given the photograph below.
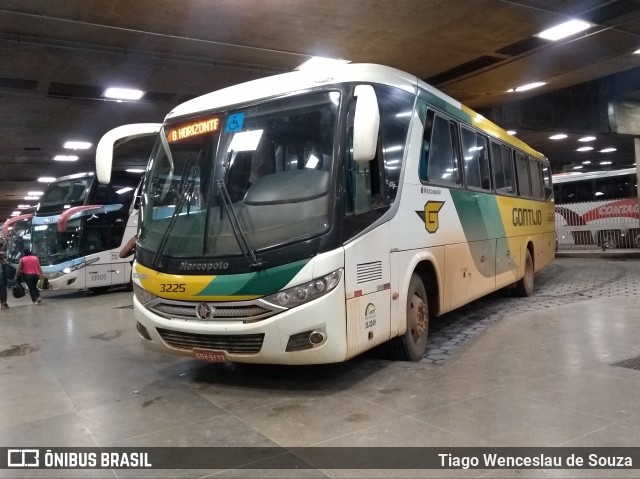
(18, 290)
(43, 283)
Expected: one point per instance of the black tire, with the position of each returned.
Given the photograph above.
(524, 287)
(413, 344)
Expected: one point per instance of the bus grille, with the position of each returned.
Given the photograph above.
(246, 313)
(232, 343)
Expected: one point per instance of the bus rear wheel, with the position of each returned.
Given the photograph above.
(412, 346)
(524, 287)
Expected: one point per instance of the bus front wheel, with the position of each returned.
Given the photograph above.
(524, 287)
(412, 346)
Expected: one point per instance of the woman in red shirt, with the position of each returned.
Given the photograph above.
(31, 271)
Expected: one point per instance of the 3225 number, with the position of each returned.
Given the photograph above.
(172, 288)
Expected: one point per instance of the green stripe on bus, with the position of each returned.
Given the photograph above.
(259, 283)
(481, 221)
(479, 215)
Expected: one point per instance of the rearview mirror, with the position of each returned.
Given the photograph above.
(104, 150)
(366, 123)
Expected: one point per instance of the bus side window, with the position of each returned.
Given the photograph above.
(584, 191)
(546, 178)
(522, 174)
(443, 163)
(364, 182)
(423, 168)
(501, 156)
(476, 160)
(537, 186)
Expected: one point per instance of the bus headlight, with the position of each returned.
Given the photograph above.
(142, 294)
(303, 293)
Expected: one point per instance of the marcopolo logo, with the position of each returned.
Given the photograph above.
(214, 266)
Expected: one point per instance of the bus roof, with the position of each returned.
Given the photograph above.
(297, 81)
(573, 177)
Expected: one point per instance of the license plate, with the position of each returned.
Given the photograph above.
(209, 355)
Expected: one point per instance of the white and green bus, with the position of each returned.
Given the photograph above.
(308, 217)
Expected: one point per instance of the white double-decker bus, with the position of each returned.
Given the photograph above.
(80, 225)
(598, 208)
(310, 216)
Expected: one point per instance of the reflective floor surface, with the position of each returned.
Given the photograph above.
(502, 371)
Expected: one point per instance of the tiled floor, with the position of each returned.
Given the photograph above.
(509, 372)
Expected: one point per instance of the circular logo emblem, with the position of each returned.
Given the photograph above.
(204, 311)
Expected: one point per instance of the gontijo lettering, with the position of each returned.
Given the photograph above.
(526, 217)
(193, 129)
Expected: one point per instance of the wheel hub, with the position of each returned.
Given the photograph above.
(418, 316)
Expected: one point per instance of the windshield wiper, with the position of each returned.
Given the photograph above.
(248, 253)
(187, 189)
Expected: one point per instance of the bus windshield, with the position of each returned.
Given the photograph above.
(258, 176)
(67, 191)
(86, 231)
(52, 246)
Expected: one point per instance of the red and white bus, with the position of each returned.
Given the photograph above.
(597, 209)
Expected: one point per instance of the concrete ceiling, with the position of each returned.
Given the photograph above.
(56, 58)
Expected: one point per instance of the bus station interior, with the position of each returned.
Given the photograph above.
(559, 368)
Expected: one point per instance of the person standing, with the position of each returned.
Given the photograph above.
(31, 271)
(5, 278)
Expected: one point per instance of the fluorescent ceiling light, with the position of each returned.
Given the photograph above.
(31, 198)
(123, 93)
(587, 138)
(528, 86)
(637, 52)
(586, 162)
(65, 158)
(511, 132)
(559, 136)
(34, 193)
(316, 63)
(605, 162)
(577, 167)
(124, 190)
(77, 145)
(46, 179)
(135, 170)
(564, 30)
(16, 213)
(585, 148)
(608, 150)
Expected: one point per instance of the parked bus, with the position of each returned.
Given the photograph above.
(16, 232)
(597, 209)
(310, 216)
(80, 225)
